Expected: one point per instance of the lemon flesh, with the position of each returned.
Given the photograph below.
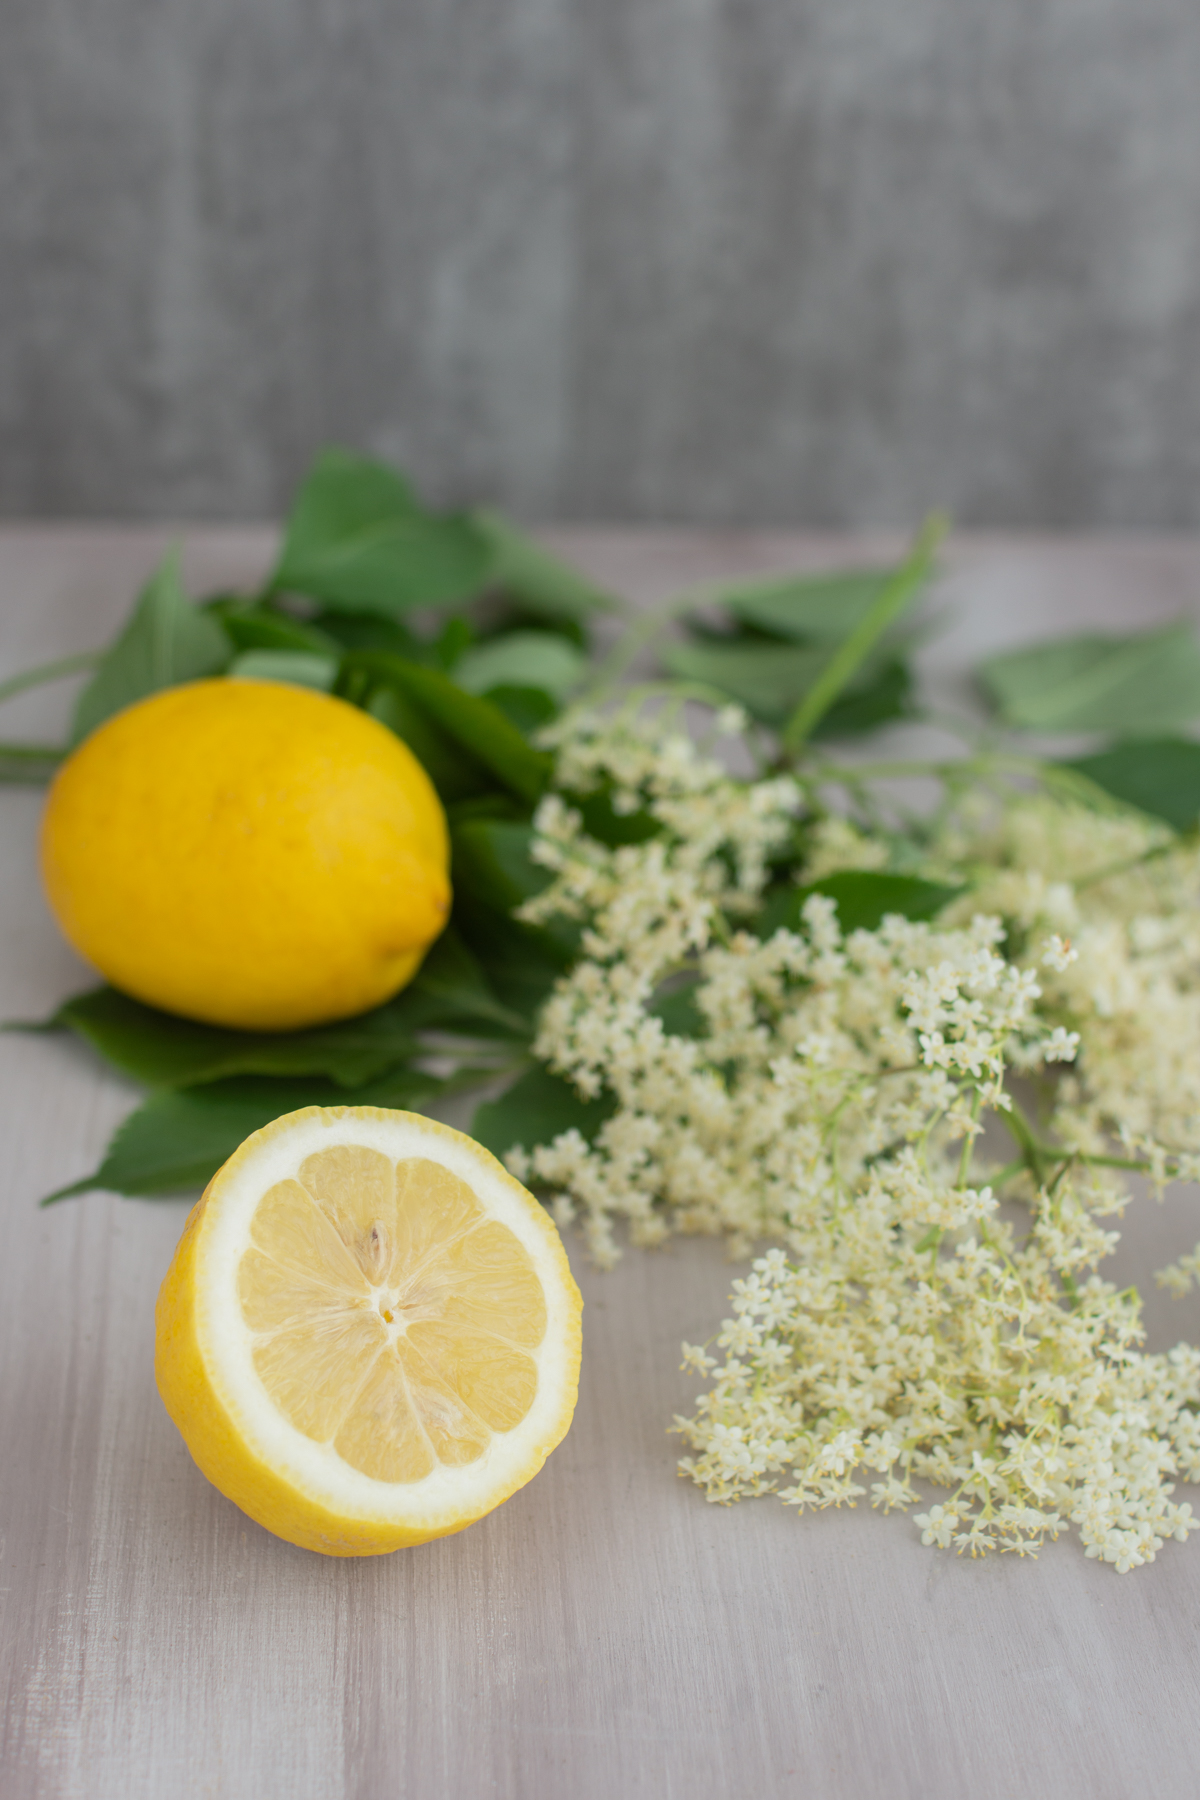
(369, 1335)
(249, 854)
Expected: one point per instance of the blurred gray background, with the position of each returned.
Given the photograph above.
(790, 261)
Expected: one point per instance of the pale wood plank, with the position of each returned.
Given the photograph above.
(604, 1634)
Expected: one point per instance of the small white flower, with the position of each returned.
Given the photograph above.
(1058, 953)
(938, 1525)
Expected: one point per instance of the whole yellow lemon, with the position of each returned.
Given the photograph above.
(247, 853)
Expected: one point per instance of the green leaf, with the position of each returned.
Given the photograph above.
(769, 680)
(535, 1110)
(1160, 776)
(476, 726)
(448, 647)
(453, 978)
(881, 691)
(251, 627)
(358, 541)
(162, 1050)
(855, 652)
(302, 668)
(521, 962)
(496, 805)
(167, 640)
(863, 898)
(602, 821)
(534, 578)
(449, 993)
(1149, 682)
(539, 659)
(454, 774)
(176, 1141)
(491, 862)
(528, 708)
(766, 680)
(367, 631)
(677, 1009)
(491, 873)
(808, 608)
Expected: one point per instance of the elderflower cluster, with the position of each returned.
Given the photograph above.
(828, 1092)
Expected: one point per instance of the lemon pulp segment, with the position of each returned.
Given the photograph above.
(391, 1318)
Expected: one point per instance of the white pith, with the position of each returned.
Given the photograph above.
(227, 1342)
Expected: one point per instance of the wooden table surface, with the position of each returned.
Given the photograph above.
(606, 1635)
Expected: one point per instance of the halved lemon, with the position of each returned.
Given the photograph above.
(369, 1335)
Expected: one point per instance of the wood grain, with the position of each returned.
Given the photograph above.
(606, 1633)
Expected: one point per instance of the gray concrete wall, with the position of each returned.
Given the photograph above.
(802, 261)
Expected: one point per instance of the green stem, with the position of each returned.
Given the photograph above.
(896, 595)
(964, 1161)
(1061, 1170)
(1007, 1172)
(51, 671)
(31, 752)
(1127, 864)
(675, 692)
(953, 768)
(1037, 1154)
(1137, 1164)
(637, 638)
(1019, 1128)
(29, 762)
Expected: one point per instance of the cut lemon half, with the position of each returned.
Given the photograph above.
(369, 1335)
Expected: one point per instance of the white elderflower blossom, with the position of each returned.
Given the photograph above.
(827, 1091)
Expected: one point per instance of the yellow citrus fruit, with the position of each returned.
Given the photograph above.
(369, 1335)
(247, 853)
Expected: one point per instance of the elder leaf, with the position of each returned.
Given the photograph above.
(1160, 776)
(454, 773)
(453, 979)
(177, 1140)
(358, 540)
(536, 1109)
(161, 1049)
(1148, 682)
(808, 608)
(528, 708)
(883, 692)
(251, 627)
(479, 731)
(770, 680)
(166, 640)
(533, 578)
(491, 873)
(301, 668)
(863, 898)
(492, 863)
(539, 659)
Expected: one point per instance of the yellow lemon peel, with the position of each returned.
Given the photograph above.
(249, 854)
